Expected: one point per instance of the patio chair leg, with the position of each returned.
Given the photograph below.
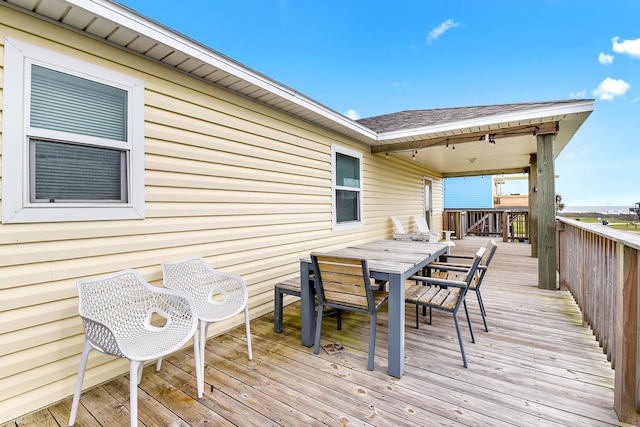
(199, 365)
(139, 373)
(204, 326)
(372, 342)
(316, 347)
(482, 311)
(464, 358)
(466, 312)
(339, 316)
(135, 366)
(418, 316)
(246, 320)
(76, 397)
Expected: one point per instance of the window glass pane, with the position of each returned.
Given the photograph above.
(68, 103)
(69, 172)
(347, 206)
(347, 171)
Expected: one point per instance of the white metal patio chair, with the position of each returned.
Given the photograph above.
(423, 227)
(124, 316)
(217, 295)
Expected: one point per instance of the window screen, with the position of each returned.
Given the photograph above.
(347, 201)
(71, 173)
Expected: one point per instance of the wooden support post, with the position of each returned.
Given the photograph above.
(505, 226)
(626, 392)
(533, 204)
(546, 201)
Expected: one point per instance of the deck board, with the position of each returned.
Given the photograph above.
(537, 365)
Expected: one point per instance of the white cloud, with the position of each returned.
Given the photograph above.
(438, 31)
(630, 47)
(611, 88)
(605, 59)
(580, 94)
(400, 84)
(352, 114)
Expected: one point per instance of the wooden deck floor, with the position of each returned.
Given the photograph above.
(536, 366)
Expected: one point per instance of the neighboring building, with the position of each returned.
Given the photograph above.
(482, 192)
(125, 144)
(471, 192)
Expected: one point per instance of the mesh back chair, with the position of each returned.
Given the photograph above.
(444, 290)
(344, 284)
(217, 295)
(462, 260)
(126, 317)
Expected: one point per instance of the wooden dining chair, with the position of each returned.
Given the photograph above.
(343, 283)
(445, 289)
(463, 260)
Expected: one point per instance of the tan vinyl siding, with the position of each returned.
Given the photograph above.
(243, 185)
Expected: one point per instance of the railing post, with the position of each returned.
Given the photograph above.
(626, 388)
(505, 226)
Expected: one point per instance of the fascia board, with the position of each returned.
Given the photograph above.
(141, 25)
(526, 115)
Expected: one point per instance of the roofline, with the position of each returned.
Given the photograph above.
(579, 106)
(309, 109)
(138, 23)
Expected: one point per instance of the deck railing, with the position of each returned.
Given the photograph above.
(510, 224)
(599, 266)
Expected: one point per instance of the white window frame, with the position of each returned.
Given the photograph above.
(16, 206)
(337, 149)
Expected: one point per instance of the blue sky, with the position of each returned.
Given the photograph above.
(365, 58)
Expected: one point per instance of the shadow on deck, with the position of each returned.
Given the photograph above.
(537, 365)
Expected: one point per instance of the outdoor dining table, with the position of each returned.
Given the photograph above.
(393, 261)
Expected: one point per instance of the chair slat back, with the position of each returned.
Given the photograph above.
(490, 250)
(342, 280)
(421, 223)
(398, 225)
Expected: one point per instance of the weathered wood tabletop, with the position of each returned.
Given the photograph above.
(390, 260)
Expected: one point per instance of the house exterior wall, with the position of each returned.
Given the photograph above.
(241, 184)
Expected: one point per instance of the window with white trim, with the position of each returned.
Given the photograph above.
(73, 139)
(346, 166)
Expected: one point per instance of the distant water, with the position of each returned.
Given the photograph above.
(608, 210)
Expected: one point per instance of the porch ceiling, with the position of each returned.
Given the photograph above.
(427, 131)
(513, 127)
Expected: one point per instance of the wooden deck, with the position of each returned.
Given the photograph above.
(536, 366)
